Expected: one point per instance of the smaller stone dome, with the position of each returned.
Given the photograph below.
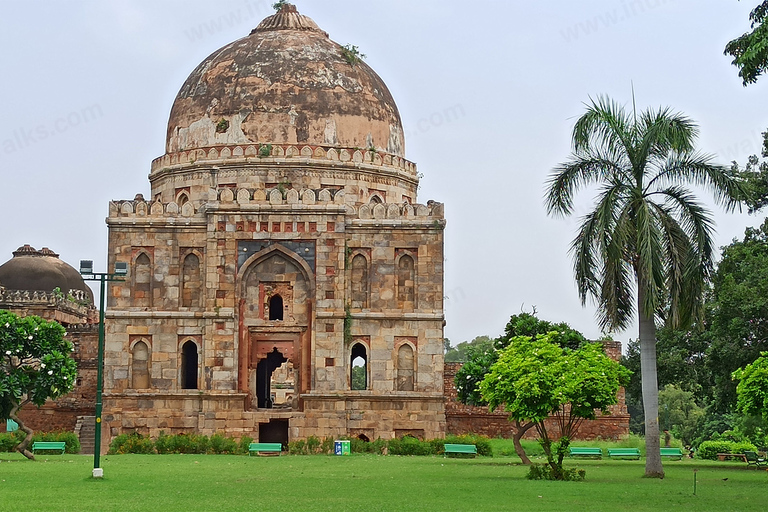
(33, 270)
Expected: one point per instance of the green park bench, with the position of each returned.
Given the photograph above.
(588, 453)
(49, 445)
(672, 453)
(265, 448)
(465, 449)
(624, 453)
(755, 459)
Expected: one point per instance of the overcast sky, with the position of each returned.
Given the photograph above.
(488, 92)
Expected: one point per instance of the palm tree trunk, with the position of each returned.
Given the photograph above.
(653, 467)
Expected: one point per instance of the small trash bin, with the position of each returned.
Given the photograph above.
(341, 447)
(11, 426)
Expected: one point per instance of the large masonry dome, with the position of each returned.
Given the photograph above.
(285, 108)
(286, 83)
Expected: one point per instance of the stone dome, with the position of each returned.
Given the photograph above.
(286, 83)
(32, 270)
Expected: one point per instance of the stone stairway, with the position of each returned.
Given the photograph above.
(85, 431)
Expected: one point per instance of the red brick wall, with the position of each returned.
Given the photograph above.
(462, 419)
(62, 414)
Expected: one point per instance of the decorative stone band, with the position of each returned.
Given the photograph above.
(271, 153)
(274, 201)
(74, 301)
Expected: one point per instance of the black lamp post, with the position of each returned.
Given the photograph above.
(86, 270)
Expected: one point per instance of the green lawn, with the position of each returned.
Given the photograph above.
(214, 483)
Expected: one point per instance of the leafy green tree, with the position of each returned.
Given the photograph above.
(739, 327)
(750, 51)
(359, 378)
(480, 357)
(35, 365)
(752, 391)
(460, 353)
(755, 179)
(680, 414)
(534, 379)
(646, 248)
(682, 362)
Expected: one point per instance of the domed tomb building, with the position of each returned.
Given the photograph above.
(283, 280)
(37, 282)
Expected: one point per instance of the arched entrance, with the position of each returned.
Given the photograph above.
(275, 315)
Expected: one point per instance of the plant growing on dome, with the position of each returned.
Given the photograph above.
(352, 54)
(35, 365)
(265, 150)
(222, 126)
(277, 6)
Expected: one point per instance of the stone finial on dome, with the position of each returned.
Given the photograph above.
(26, 250)
(47, 252)
(287, 18)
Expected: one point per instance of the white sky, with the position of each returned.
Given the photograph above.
(488, 92)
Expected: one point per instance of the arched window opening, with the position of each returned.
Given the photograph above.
(405, 368)
(142, 280)
(189, 365)
(140, 366)
(359, 368)
(276, 307)
(406, 283)
(182, 200)
(376, 200)
(191, 283)
(359, 283)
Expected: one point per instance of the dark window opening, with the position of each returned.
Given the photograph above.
(376, 200)
(359, 368)
(189, 365)
(364, 437)
(276, 307)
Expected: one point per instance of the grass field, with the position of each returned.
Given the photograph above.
(214, 483)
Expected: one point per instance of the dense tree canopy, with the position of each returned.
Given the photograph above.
(752, 390)
(536, 378)
(35, 365)
(750, 51)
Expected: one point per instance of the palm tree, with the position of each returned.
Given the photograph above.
(646, 248)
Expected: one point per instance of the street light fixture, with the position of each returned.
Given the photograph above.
(86, 270)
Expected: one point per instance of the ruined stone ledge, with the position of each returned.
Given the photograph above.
(376, 396)
(226, 313)
(176, 395)
(290, 155)
(386, 315)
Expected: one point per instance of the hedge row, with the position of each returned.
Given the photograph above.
(403, 446)
(218, 444)
(10, 440)
(710, 449)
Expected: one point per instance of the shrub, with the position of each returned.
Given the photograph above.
(313, 445)
(297, 447)
(245, 443)
(9, 441)
(69, 438)
(710, 449)
(220, 444)
(544, 472)
(131, 443)
(410, 446)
